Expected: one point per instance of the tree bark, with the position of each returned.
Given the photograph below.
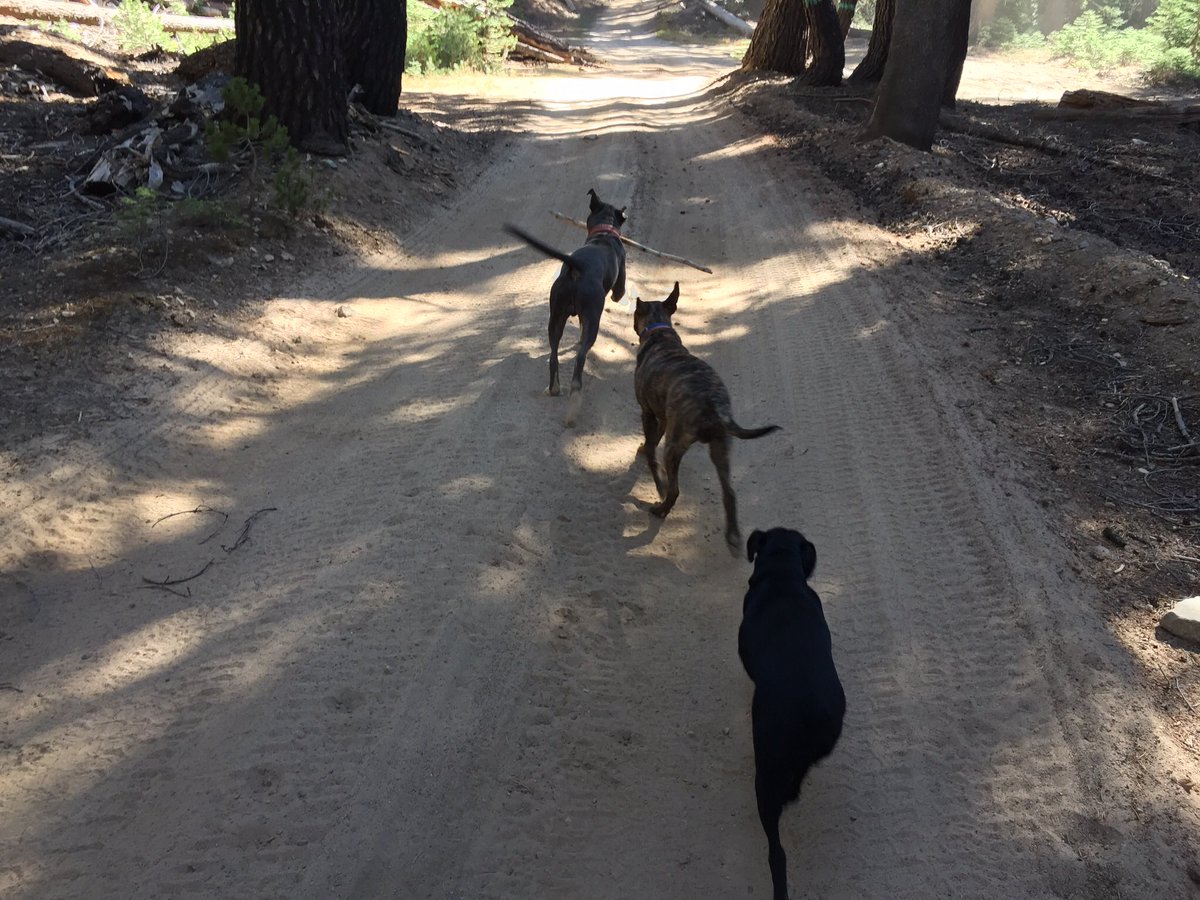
(918, 67)
(374, 37)
(779, 44)
(845, 13)
(871, 67)
(826, 43)
(292, 50)
(960, 28)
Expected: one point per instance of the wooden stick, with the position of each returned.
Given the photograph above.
(632, 243)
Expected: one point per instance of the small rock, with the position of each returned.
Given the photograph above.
(343, 313)
(287, 257)
(1184, 620)
(1101, 552)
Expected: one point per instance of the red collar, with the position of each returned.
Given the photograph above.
(604, 229)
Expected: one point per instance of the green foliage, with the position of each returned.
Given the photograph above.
(1178, 21)
(189, 42)
(1096, 41)
(999, 32)
(475, 37)
(864, 15)
(138, 28)
(242, 127)
(242, 132)
(68, 30)
(138, 214)
(1029, 41)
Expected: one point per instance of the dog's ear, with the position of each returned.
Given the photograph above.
(752, 544)
(808, 557)
(595, 203)
(672, 300)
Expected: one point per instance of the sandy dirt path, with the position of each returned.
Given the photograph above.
(455, 657)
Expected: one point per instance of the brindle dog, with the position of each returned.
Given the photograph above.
(683, 399)
(587, 275)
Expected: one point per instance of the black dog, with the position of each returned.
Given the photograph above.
(798, 700)
(587, 275)
(685, 400)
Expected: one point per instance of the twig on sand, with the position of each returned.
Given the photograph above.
(168, 581)
(245, 532)
(632, 243)
(198, 510)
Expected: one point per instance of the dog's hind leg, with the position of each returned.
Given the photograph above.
(589, 328)
(769, 811)
(558, 321)
(718, 449)
(653, 431)
(671, 459)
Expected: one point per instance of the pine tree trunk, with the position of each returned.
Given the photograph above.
(292, 50)
(910, 94)
(778, 44)
(374, 34)
(871, 67)
(845, 11)
(960, 29)
(825, 42)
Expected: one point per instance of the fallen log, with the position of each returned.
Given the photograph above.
(632, 243)
(528, 53)
(725, 17)
(59, 11)
(1085, 99)
(1182, 113)
(84, 72)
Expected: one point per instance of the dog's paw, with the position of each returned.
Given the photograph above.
(573, 404)
(660, 510)
(733, 539)
(553, 391)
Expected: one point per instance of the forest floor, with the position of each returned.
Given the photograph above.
(442, 651)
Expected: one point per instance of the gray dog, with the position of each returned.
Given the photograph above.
(587, 275)
(683, 399)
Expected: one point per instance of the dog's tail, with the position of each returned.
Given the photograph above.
(732, 427)
(538, 245)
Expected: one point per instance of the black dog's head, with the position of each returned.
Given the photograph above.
(602, 213)
(655, 312)
(783, 542)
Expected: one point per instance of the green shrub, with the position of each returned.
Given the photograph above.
(243, 133)
(138, 28)
(1029, 41)
(475, 37)
(1094, 41)
(1178, 21)
(996, 33)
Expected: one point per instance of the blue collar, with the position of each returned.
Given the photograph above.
(657, 325)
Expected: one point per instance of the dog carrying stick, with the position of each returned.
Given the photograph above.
(632, 243)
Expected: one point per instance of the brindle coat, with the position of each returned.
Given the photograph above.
(587, 276)
(684, 400)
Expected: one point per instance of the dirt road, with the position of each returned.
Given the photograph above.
(454, 657)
